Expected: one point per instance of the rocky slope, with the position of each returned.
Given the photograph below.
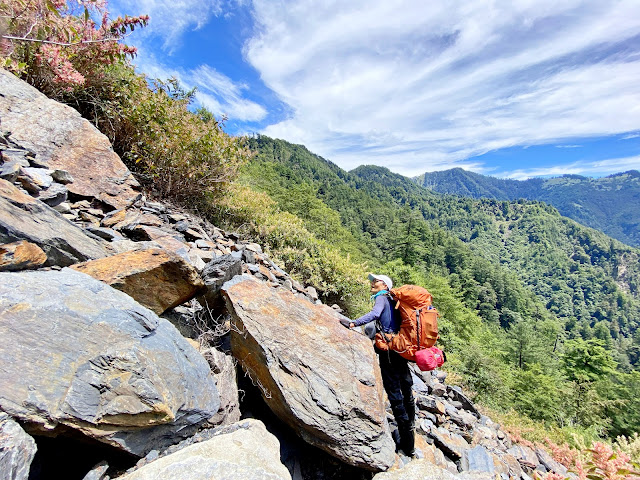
(166, 347)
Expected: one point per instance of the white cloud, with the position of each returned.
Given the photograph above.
(218, 93)
(170, 19)
(215, 91)
(594, 169)
(417, 87)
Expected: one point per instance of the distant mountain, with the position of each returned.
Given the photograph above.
(609, 204)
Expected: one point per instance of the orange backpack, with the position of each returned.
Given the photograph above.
(419, 326)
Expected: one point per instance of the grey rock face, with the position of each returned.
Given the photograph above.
(318, 377)
(466, 403)
(54, 195)
(477, 459)
(9, 171)
(524, 455)
(78, 353)
(245, 450)
(25, 218)
(16, 450)
(62, 176)
(224, 371)
(215, 274)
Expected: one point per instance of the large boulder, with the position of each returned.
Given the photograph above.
(318, 377)
(78, 354)
(17, 449)
(244, 450)
(63, 140)
(25, 218)
(155, 278)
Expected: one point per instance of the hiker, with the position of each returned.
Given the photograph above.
(396, 377)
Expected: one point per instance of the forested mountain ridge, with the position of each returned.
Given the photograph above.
(609, 204)
(584, 277)
(545, 289)
(579, 274)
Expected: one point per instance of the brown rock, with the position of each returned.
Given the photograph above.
(173, 245)
(21, 255)
(417, 469)
(428, 450)
(320, 378)
(63, 140)
(499, 466)
(512, 463)
(193, 234)
(134, 219)
(113, 218)
(267, 273)
(87, 217)
(155, 278)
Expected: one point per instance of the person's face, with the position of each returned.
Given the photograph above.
(377, 286)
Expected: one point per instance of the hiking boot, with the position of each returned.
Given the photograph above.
(407, 438)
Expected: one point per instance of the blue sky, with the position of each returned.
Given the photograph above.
(513, 89)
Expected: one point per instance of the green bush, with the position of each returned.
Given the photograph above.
(336, 277)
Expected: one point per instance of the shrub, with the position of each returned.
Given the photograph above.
(600, 462)
(180, 155)
(57, 44)
(337, 278)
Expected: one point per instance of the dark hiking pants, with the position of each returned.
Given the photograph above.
(397, 382)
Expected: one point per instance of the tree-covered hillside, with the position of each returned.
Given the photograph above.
(587, 279)
(529, 298)
(609, 204)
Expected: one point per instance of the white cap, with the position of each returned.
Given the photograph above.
(384, 278)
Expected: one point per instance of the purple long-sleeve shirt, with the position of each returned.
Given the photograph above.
(381, 311)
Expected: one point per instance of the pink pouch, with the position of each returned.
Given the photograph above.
(430, 358)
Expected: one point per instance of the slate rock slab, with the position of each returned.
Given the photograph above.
(63, 140)
(245, 450)
(223, 367)
(25, 218)
(218, 271)
(17, 450)
(156, 278)
(525, 455)
(76, 353)
(549, 463)
(477, 459)
(21, 255)
(451, 444)
(317, 376)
